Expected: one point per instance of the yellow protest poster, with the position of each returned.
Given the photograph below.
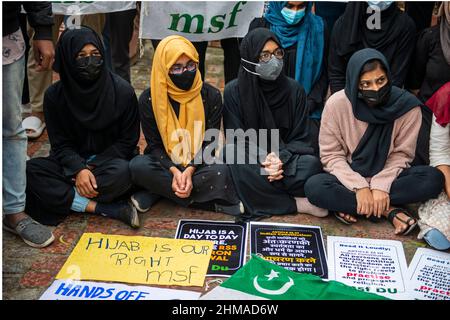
(137, 259)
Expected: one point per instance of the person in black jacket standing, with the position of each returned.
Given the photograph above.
(40, 18)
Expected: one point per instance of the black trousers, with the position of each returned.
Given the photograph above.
(212, 184)
(262, 198)
(50, 192)
(415, 184)
(231, 58)
(121, 26)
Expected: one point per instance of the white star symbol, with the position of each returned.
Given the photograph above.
(273, 274)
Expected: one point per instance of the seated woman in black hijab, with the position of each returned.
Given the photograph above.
(176, 111)
(93, 127)
(304, 38)
(368, 138)
(387, 30)
(265, 100)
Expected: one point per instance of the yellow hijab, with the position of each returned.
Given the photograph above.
(182, 136)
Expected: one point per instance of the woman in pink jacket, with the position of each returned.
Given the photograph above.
(368, 138)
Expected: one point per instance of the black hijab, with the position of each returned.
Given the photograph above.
(353, 28)
(265, 104)
(92, 104)
(371, 153)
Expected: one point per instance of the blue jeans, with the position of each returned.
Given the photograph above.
(14, 139)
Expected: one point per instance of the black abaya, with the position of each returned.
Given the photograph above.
(83, 120)
(259, 196)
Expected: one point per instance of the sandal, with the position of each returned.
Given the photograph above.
(393, 214)
(341, 219)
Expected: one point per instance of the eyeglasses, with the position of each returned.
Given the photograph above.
(179, 68)
(265, 56)
(93, 54)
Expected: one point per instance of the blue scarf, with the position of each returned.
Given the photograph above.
(308, 34)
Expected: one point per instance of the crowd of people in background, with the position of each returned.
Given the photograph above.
(362, 117)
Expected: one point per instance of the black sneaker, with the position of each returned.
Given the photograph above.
(122, 210)
(129, 215)
(144, 200)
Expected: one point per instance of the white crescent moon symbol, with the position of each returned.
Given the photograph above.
(282, 290)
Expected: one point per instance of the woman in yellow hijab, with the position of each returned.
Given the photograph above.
(175, 112)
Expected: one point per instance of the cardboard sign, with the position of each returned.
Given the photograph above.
(136, 259)
(198, 20)
(429, 275)
(87, 290)
(295, 247)
(230, 243)
(371, 265)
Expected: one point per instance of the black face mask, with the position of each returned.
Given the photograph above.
(376, 98)
(89, 68)
(184, 80)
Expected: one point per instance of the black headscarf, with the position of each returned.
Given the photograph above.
(264, 103)
(371, 153)
(353, 28)
(92, 104)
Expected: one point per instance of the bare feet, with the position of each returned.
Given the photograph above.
(304, 206)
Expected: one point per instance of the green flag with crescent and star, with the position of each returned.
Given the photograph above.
(260, 279)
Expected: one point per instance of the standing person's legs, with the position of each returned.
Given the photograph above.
(14, 161)
(94, 21)
(134, 43)
(231, 58)
(106, 32)
(38, 82)
(201, 49)
(14, 139)
(121, 26)
(26, 91)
